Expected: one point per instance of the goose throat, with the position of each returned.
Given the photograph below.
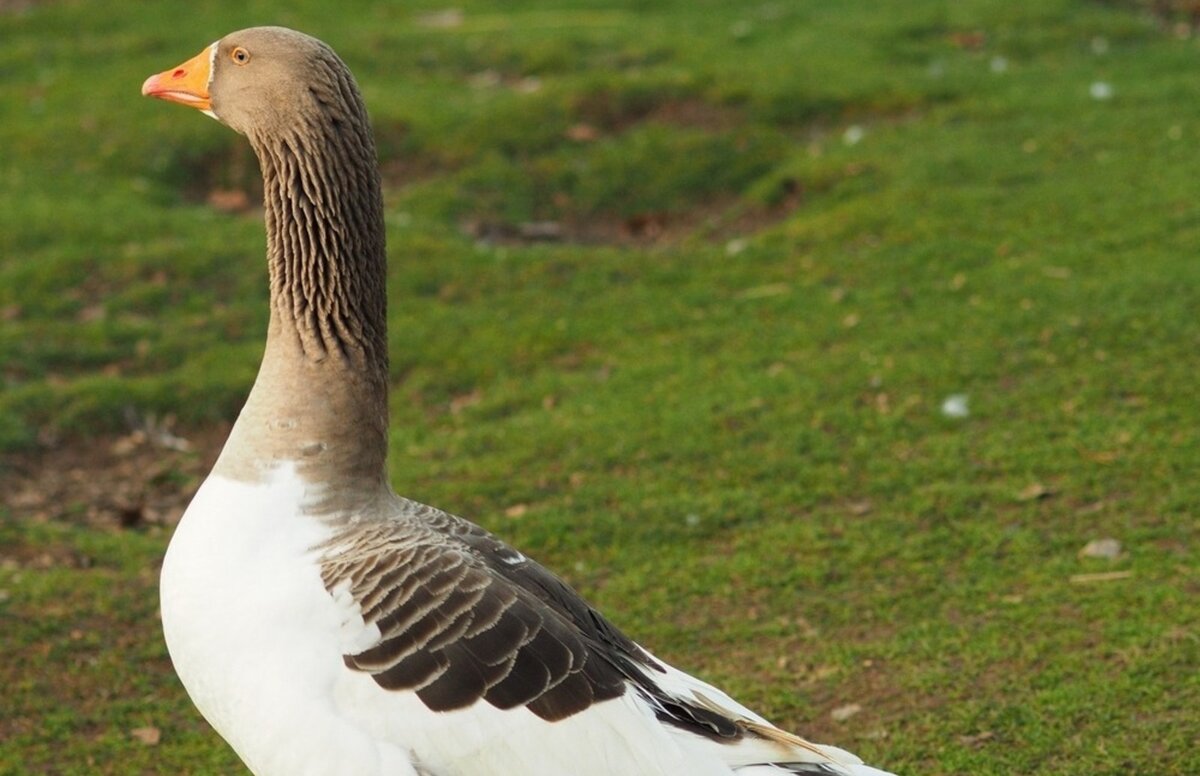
(320, 399)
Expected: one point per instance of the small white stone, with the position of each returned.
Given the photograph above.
(1101, 90)
(853, 135)
(445, 19)
(741, 29)
(955, 406)
(999, 64)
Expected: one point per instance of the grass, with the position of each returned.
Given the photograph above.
(729, 437)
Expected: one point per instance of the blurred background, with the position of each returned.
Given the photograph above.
(843, 353)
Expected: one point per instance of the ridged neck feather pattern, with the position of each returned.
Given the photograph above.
(324, 220)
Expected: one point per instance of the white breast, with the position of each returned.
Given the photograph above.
(255, 636)
(258, 642)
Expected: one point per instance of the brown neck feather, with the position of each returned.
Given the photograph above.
(320, 399)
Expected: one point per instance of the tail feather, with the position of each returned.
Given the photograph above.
(817, 758)
(811, 769)
(824, 751)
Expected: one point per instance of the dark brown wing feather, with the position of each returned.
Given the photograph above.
(463, 617)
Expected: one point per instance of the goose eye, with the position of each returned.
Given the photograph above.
(239, 55)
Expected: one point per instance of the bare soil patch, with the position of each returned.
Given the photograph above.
(16, 6)
(720, 220)
(610, 112)
(145, 477)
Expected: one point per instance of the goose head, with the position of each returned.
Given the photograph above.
(261, 79)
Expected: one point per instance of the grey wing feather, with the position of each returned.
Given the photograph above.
(457, 626)
(464, 617)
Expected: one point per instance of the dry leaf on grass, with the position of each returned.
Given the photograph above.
(1104, 576)
(1101, 548)
(1035, 491)
(582, 133)
(976, 739)
(150, 735)
(843, 713)
(859, 508)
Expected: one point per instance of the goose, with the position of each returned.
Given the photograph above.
(321, 623)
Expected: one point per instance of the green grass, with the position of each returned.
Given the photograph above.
(730, 439)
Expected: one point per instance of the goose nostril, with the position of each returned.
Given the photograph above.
(179, 73)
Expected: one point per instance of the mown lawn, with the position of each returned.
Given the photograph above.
(679, 292)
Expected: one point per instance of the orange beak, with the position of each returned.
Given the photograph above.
(186, 84)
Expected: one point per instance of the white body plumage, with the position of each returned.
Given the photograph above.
(258, 642)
